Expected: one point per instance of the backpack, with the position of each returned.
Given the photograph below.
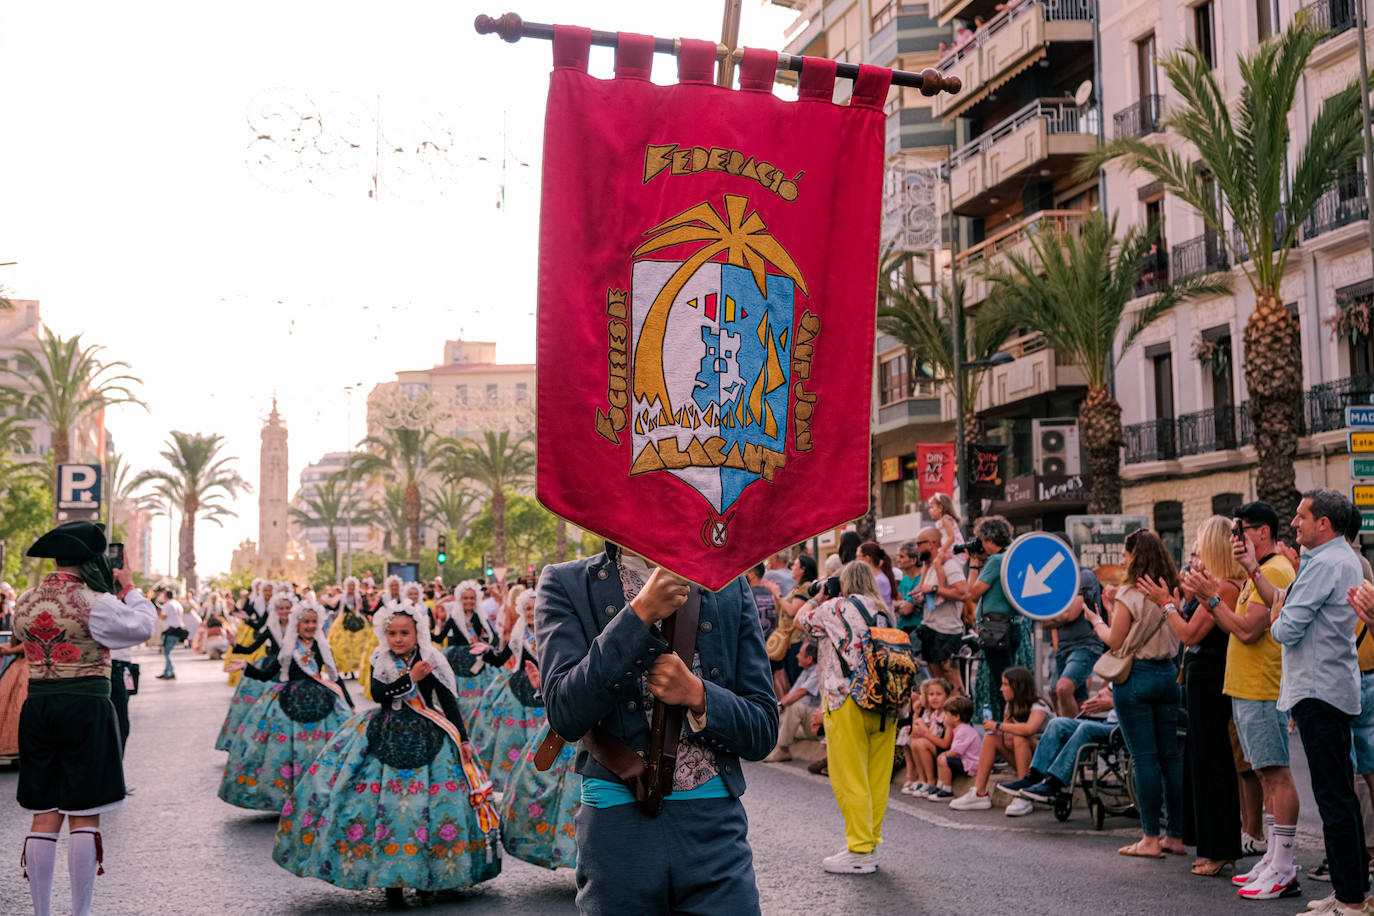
(883, 684)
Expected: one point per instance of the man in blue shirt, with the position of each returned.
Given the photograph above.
(606, 664)
(1314, 622)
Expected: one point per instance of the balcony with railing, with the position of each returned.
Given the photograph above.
(1008, 43)
(1046, 138)
(1154, 272)
(1326, 403)
(1344, 204)
(921, 405)
(991, 253)
(1242, 250)
(1204, 254)
(1035, 370)
(1153, 440)
(1139, 119)
(1214, 430)
(1332, 16)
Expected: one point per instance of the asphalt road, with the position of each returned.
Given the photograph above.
(174, 848)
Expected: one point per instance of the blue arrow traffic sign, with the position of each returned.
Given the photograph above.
(1040, 575)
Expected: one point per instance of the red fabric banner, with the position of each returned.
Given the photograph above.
(935, 469)
(707, 269)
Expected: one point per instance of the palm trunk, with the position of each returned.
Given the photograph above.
(1273, 373)
(975, 430)
(560, 548)
(61, 445)
(186, 541)
(334, 552)
(1099, 418)
(412, 508)
(498, 526)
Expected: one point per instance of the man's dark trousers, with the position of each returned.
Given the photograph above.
(1325, 734)
(694, 858)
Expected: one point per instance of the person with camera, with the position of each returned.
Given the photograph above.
(1003, 634)
(70, 763)
(941, 589)
(860, 743)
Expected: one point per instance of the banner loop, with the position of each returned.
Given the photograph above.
(634, 56)
(696, 61)
(870, 88)
(817, 83)
(572, 45)
(757, 70)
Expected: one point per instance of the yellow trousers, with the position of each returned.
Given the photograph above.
(859, 757)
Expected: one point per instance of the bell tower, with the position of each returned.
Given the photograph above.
(272, 498)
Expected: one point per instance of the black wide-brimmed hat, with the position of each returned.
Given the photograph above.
(74, 543)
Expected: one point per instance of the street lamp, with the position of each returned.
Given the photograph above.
(961, 366)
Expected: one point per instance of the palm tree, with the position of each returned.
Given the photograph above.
(198, 481)
(1243, 146)
(924, 325)
(329, 507)
(389, 514)
(122, 496)
(1075, 290)
(65, 383)
(495, 463)
(450, 508)
(400, 455)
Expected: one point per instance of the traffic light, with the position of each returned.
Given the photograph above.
(489, 565)
(443, 549)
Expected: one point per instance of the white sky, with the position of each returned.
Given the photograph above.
(126, 199)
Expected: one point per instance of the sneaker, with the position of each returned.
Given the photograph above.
(1271, 886)
(1320, 872)
(971, 801)
(778, 755)
(850, 863)
(912, 788)
(1323, 905)
(938, 795)
(1020, 807)
(1014, 787)
(1250, 846)
(1256, 870)
(1045, 791)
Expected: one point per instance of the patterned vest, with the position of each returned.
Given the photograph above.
(53, 620)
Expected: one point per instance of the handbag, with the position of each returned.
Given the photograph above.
(994, 631)
(1115, 666)
(777, 645)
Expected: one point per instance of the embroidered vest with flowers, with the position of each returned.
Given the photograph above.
(53, 620)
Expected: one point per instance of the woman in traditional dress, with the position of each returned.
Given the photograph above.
(397, 799)
(14, 690)
(254, 617)
(539, 809)
(350, 635)
(511, 711)
(391, 596)
(466, 640)
(304, 704)
(266, 643)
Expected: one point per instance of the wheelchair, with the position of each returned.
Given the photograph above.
(1102, 770)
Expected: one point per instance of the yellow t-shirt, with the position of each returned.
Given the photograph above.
(1366, 647)
(1253, 672)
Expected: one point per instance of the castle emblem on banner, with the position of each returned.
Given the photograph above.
(704, 378)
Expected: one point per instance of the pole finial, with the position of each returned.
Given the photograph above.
(510, 26)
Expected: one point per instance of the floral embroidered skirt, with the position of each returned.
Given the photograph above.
(269, 750)
(538, 810)
(241, 707)
(349, 645)
(357, 821)
(504, 723)
(471, 687)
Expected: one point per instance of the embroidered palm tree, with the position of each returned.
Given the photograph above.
(743, 239)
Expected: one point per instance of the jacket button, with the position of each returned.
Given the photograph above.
(610, 609)
(632, 705)
(715, 674)
(705, 626)
(601, 573)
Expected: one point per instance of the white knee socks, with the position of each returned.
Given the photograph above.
(40, 851)
(1285, 835)
(83, 861)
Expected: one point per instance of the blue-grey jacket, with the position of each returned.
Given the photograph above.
(593, 649)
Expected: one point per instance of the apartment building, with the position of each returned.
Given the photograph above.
(1027, 113)
(469, 392)
(1182, 390)
(313, 476)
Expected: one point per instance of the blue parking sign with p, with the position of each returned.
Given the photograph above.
(1040, 575)
(78, 487)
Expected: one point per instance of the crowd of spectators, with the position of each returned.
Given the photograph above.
(1211, 670)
